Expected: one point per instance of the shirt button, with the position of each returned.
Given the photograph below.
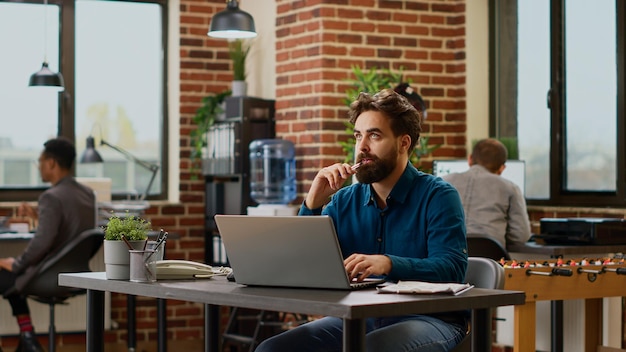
(379, 239)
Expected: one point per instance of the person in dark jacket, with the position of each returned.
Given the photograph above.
(65, 210)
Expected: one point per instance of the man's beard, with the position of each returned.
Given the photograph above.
(377, 169)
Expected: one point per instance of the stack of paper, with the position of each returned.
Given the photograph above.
(420, 287)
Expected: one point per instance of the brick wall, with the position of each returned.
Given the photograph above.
(319, 42)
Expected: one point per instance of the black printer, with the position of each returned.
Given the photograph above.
(582, 231)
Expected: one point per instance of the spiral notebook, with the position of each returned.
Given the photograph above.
(285, 251)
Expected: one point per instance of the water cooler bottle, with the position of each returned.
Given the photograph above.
(272, 177)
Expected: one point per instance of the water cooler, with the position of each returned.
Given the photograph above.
(272, 177)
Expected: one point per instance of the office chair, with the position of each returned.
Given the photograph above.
(43, 286)
(482, 273)
(486, 247)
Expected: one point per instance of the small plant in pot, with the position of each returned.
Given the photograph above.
(119, 234)
(238, 51)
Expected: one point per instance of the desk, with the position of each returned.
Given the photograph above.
(352, 306)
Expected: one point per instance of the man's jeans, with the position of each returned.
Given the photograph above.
(409, 333)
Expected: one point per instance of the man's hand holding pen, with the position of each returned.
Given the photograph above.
(328, 181)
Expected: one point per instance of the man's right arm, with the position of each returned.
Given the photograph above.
(327, 181)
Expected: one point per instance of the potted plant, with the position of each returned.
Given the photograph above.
(206, 114)
(238, 51)
(120, 234)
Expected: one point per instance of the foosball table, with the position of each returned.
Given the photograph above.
(559, 279)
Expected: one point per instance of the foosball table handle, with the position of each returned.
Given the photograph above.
(618, 271)
(555, 271)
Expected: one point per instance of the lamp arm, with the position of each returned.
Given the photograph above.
(154, 172)
(151, 167)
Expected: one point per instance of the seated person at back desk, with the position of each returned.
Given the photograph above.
(64, 210)
(494, 206)
(396, 222)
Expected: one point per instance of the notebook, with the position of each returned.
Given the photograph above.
(285, 251)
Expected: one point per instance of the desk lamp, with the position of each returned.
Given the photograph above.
(91, 155)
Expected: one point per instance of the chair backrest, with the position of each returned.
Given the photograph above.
(74, 256)
(486, 247)
(484, 273)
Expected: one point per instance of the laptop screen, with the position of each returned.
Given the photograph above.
(515, 170)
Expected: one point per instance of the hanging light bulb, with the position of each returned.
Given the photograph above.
(232, 23)
(46, 77)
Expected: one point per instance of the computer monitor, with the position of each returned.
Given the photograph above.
(515, 170)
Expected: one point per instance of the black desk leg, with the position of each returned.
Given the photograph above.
(95, 321)
(162, 324)
(557, 325)
(353, 335)
(481, 322)
(211, 327)
(131, 322)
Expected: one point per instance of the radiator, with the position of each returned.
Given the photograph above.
(71, 317)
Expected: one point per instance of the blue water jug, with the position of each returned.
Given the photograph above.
(272, 171)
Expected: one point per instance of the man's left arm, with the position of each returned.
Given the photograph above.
(446, 259)
(518, 226)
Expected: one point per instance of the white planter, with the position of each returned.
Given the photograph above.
(117, 259)
(239, 89)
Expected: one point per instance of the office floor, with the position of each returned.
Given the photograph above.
(78, 345)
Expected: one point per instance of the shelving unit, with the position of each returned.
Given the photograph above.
(226, 168)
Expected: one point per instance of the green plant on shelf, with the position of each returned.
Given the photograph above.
(204, 118)
(238, 51)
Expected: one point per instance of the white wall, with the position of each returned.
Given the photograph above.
(477, 88)
(173, 90)
(261, 63)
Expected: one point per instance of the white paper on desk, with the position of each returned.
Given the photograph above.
(420, 287)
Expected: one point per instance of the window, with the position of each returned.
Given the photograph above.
(557, 87)
(115, 90)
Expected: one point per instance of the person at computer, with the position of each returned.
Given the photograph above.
(494, 206)
(396, 222)
(64, 210)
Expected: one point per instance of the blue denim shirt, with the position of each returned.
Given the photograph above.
(422, 229)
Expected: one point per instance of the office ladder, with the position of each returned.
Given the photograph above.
(246, 328)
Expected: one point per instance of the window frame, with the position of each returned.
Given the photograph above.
(559, 196)
(66, 123)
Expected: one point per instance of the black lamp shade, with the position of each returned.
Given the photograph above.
(90, 155)
(232, 23)
(46, 78)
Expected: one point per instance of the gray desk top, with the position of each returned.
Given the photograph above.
(343, 304)
(563, 250)
(13, 236)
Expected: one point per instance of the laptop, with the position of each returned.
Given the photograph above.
(285, 251)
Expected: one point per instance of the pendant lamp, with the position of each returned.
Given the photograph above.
(232, 23)
(45, 77)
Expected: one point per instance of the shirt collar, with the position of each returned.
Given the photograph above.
(400, 189)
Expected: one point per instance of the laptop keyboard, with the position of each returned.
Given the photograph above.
(366, 283)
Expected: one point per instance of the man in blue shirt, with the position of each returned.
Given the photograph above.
(396, 222)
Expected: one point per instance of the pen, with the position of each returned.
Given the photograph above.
(355, 166)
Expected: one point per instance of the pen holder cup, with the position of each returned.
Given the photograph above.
(142, 265)
(152, 245)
